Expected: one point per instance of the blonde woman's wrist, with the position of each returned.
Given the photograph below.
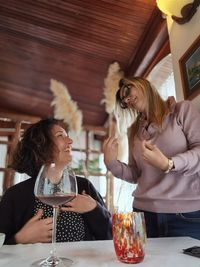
(170, 165)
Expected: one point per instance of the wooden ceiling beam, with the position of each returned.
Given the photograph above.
(164, 51)
(98, 130)
(154, 42)
(8, 116)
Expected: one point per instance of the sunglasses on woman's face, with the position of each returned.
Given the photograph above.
(124, 92)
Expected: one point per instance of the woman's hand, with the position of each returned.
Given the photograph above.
(110, 149)
(81, 203)
(153, 155)
(35, 230)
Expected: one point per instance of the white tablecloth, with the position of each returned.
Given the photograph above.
(160, 252)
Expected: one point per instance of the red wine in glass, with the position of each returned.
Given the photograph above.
(56, 200)
(55, 186)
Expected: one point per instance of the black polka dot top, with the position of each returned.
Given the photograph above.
(70, 225)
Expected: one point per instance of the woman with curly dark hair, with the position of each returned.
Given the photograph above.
(25, 219)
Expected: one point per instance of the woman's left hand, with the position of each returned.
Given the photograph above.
(153, 155)
(81, 203)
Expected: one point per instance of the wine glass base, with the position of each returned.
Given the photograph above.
(53, 262)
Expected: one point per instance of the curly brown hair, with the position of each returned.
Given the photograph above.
(35, 148)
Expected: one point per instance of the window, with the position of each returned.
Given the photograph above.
(162, 77)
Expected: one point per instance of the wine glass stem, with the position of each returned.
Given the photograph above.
(53, 241)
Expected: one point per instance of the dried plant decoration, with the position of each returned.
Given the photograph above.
(111, 85)
(65, 108)
(115, 121)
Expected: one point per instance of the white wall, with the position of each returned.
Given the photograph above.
(181, 37)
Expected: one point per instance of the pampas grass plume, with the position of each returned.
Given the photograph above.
(64, 107)
(111, 86)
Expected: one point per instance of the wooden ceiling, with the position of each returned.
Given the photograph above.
(73, 41)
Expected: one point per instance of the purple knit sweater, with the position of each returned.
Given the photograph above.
(178, 190)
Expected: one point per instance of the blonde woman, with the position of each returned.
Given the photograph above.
(164, 156)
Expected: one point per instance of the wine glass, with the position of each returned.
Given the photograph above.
(54, 186)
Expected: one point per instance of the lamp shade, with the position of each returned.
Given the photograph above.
(172, 7)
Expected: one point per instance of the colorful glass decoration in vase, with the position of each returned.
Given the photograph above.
(129, 236)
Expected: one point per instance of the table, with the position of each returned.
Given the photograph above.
(160, 252)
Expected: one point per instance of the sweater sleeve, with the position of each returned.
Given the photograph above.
(126, 172)
(16, 208)
(98, 220)
(189, 119)
(6, 218)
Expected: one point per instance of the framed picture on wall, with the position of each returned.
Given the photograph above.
(190, 70)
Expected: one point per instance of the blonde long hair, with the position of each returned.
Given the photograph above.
(156, 107)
